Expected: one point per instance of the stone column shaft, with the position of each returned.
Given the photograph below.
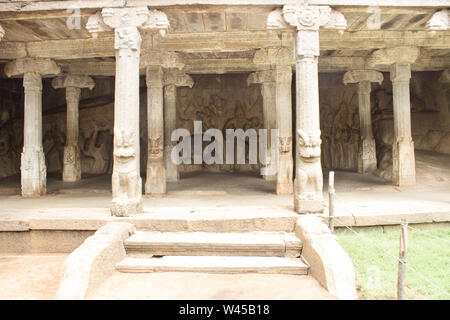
(33, 169)
(403, 170)
(72, 160)
(367, 159)
(170, 124)
(72, 84)
(307, 20)
(308, 182)
(284, 124)
(156, 172)
(268, 91)
(126, 179)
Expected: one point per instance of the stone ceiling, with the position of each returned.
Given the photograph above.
(224, 37)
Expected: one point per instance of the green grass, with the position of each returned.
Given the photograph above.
(376, 269)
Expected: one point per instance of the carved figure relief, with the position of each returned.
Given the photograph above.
(309, 178)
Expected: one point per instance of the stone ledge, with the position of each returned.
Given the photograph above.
(329, 263)
(94, 260)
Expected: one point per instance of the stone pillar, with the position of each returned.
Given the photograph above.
(284, 124)
(367, 158)
(266, 79)
(156, 172)
(400, 59)
(403, 170)
(307, 20)
(280, 60)
(173, 78)
(73, 85)
(126, 180)
(33, 169)
(444, 108)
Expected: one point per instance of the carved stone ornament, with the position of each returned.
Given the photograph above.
(285, 144)
(305, 17)
(261, 77)
(2, 32)
(35, 65)
(283, 56)
(118, 18)
(438, 22)
(356, 76)
(73, 80)
(178, 79)
(390, 56)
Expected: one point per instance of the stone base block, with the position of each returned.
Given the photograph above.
(285, 188)
(33, 173)
(309, 205)
(126, 207)
(72, 164)
(404, 164)
(156, 178)
(367, 160)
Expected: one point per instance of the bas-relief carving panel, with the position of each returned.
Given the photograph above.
(225, 101)
(221, 102)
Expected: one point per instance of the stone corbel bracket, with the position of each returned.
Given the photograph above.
(134, 16)
(24, 65)
(356, 76)
(178, 78)
(73, 80)
(445, 76)
(389, 56)
(2, 33)
(167, 60)
(305, 17)
(273, 56)
(440, 21)
(260, 77)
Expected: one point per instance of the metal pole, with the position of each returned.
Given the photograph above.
(402, 260)
(331, 200)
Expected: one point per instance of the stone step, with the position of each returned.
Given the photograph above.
(147, 244)
(214, 264)
(215, 219)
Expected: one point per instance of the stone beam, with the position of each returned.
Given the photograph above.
(229, 41)
(35, 5)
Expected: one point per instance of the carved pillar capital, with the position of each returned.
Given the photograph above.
(357, 76)
(73, 80)
(32, 81)
(177, 78)
(2, 33)
(260, 77)
(117, 18)
(389, 56)
(440, 21)
(31, 65)
(154, 76)
(307, 20)
(400, 72)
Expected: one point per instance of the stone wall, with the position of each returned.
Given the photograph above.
(220, 102)
(340, 119)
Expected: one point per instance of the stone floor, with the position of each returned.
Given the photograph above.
(360, 199)
(33, 277)
(203, 286)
